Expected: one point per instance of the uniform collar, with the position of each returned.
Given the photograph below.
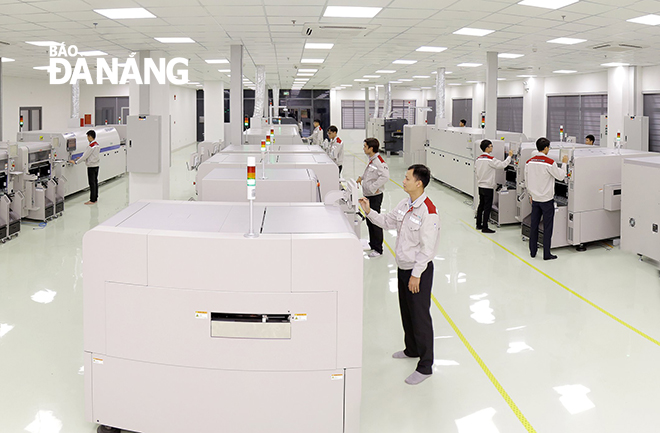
(373, 157)
(417, 203)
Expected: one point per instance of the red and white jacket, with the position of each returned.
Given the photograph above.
(91, 156)
(485, 167)
(540, 174)
(335, 150)
(375, 176)
(317, 136)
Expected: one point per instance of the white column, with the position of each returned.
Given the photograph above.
(276, 100)
(377, 102)
(534, 108)
(214, 111)
(236, 95)
(491, 94)
(387, 109)
(440, 96)
(636, 96)
(478, 95)
(366, 112)
(74, 119)
(260, 95)
(618, 95)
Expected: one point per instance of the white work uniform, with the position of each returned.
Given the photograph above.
(317, 136)
(417, 225)
(336, 151)
(486, 166)
(540, 174)
(375, 176)
(91, 156)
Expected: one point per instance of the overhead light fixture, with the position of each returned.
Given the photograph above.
(407, 80)
(564, 71)
(361, 79)
(44, 43)
(92, 53)
(301, 80)
(509, 56)
(446, 72)
(427, 88)
(125, 13)
(415, 88)
(501, 79)
(421, 76)
(305, 75)
(307, 70)
(547, 4)
(473, 82)
(567, 41)
(396, 82)
(312, 60)
(351, 12)
(315, 46)
(216, 61)
(224, 71)
(649, 20)
(431, 49)
(404, 62)
(7, 59)
(467, 31)
(469, 65)
(371, 76)
(385, 71)
(614, 64)
(346, 85)
(41, 68)
(175, 40)
(526, 76)
(454, 84)
(193, 82)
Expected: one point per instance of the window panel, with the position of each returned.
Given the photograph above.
(461, 109)
(579, 114)
(652, 110)
(509, 114)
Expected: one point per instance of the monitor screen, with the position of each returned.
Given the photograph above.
(70, 144)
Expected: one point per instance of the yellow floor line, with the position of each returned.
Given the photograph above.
(523, 420)
(572, 292)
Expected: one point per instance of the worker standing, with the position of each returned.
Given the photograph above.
(91, 156)
(373, 181)
(540, 174)
(417, 224)
(334, 147)
(485, 167)
(317, 133)
(590, 140)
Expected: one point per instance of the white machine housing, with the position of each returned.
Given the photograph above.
(274, 148)
(191, 326)
(205, 150)
(415, 141)
(376, 129)
(635, 134)
(284, 134)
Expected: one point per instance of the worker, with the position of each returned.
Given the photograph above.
(91, 158)
(540, 174)
(417, 224)
(373, 181)
(485, 167)
(462, 123)
(334, 147)
(590, 140)
(317, 133)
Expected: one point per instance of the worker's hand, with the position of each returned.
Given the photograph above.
(530, 199)
(359, 180)
(364, 203)
(564, 159)
(413, 284)
(510, 152)
(71, 161)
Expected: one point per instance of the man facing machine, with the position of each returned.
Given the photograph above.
(590, 140)
(485, 169)
(417, 224)
(373, 181)
(91, 158)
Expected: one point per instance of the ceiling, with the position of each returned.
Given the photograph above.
(272, 33)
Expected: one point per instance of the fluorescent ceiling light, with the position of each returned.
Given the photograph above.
(426, 88)
(346, 85)
(315, 46)
(431, 49)
(92, 53)
(467, 31)
(649, 20)
(614, 64)
(224, 71)
(395, 82)
(7, 59)
(548, 4)
(371, 76)
(407, 80)
(41, 68)
(125, 13)
(421, 76)
(469, 65)
(415, 88)
(312, 60)
(44, 43)
(307, 70)
(216, 61)
(301, 80)
(526, 76)
(385, 71)
(567, 41)
(351, 12)
(501, 79)
(175, 40)
(454, 84)
(509, 56)
(305, 75)
(564, 71)
(361, 79)
(446, 72)
(404, 62)
(473, 82)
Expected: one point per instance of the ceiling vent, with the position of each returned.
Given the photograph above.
(615, 48)
(316, 30)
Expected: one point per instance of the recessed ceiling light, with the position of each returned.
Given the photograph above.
(431, 49)
(175, 40)
(371, 76)
(224, 71)
(426, 88)
(361, 79)
(92, 53)
(454, 84)
(346, 85)
(469, 65)
(501, 79)
(351, 12)
(395, 82)
(509, 56)
(312, 60)
(303, 80)
(564, 71)
(649, 20)
(473, 82)
(315, 46)
(526, 76)
(614, 64)
(7, 59)
(421, 76)
(404, 62)
(567, 41)
(548, 4)
(125, 13)
(467, 31)
(41, 68)
(305, 75)
(405, 79)
(415, 88)
(216, 61)
(446, 72)
(44, 43)
(307, 70)
(385, 71)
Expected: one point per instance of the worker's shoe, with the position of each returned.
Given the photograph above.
(401, 355)
(550, 257)
(487, 230)
(90, 202)
(374, 254)
(416, 378)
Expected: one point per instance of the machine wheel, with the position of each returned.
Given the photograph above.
(106, 429)
(581, 248)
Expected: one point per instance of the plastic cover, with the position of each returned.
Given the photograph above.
(377, 103)
(440, 116)
(75, 100)
(260, 95)
(388, 102)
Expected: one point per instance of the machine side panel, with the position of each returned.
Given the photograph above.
(640, 209)
(353, 397)
(89, 407)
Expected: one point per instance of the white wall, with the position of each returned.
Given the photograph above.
(183, 111)
(89, 93)
(651, 79)
(576, 84)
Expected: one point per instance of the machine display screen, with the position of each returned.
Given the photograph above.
(3, 181)
(510, 175)
(70, 144)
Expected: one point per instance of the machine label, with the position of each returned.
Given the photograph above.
(97, 360)
(339, 376)
(201, 314)
(300, 317)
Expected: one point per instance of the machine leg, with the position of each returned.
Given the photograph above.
(106, 429)
(581, 248)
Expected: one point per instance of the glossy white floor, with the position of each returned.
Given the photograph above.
(521, 344)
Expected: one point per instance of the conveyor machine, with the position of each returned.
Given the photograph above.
(284, 134)
(274, 148)
(190, 326)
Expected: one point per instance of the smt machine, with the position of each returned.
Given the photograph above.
(415, 140)
(190, 326)
(284, 134)
(205, 150)
(71, 144)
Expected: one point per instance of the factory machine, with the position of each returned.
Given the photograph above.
(323, 167)
(10, 221)
(205, 150)
(274, 148)
(284, 134)
(640, 212)
(588, 202)
(415, 141)
(191, 326)
(389, 133)
(71, 144)
(376, 129)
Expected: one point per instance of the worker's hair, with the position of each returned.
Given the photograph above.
(463, 121)
(542, 143)
(317, 121)
(484, 144)
(332, 128)
(421, 172)
(373, 143)
(91, 133)
(591, 137)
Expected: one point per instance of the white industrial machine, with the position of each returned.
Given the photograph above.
(11, 199)
(5, 201)
(284, 134)
(70, 144)
(415, 141)
(275, 185)
(205, 150)
(273, 148)
(320, 163)
(640, 212)
(190, 326)
(635, 134)
(376, 129)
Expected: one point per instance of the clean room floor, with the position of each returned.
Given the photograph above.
(565, 346)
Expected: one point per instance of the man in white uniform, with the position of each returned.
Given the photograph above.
(485, 167)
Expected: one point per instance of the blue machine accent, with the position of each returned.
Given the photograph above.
(104, 149)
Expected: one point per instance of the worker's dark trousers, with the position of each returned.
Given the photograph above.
(93, 178)
(547, 210)
(485, 206)
(340, 167)
(416, 318)
(375, 232)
